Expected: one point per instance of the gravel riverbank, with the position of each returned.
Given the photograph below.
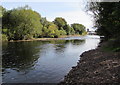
(95, 66)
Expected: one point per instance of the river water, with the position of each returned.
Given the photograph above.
(43, 61)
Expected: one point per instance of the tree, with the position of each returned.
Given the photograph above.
(79, 28)
(67, 28)
(63, 26)
(107, 21)
(53, 30)
(2, 11)
(22, 23)
(44, 22)
(106, 17)
(72, 31)
(62, 32)
(60, 22)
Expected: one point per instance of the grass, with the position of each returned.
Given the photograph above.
(111, 49)
(112, 45)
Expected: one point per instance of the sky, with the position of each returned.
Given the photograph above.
(72, 12)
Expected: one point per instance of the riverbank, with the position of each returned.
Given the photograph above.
(95, 66)
(45, 39)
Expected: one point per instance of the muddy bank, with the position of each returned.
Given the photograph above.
(95, 66)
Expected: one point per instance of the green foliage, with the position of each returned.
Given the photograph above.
(63, 32)
(2, 11)
(60, 22)
(50, 30)
(24, 23)
(112, 45)
(72, 31)
(28, 36)
(107, 18)
(44, 22)
(53, 31)
(4, 37)
(67, 28)
(4, 31)
(79, 28)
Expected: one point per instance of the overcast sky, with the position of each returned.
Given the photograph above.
(73, 12)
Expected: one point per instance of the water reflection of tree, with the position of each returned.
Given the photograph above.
(60, 44)
(77, 42)
(21, 55)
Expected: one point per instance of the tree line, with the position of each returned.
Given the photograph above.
(107, 20)
(23, 23)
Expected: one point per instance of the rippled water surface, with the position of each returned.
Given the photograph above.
(43, 61)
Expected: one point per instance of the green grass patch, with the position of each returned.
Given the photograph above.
(112, 45)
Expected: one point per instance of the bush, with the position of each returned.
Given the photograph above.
(4, 37)
(27, 37)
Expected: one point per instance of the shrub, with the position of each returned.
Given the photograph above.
(4, 37)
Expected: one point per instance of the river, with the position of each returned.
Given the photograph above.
(43, 61)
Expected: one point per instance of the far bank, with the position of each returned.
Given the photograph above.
(44, 39)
